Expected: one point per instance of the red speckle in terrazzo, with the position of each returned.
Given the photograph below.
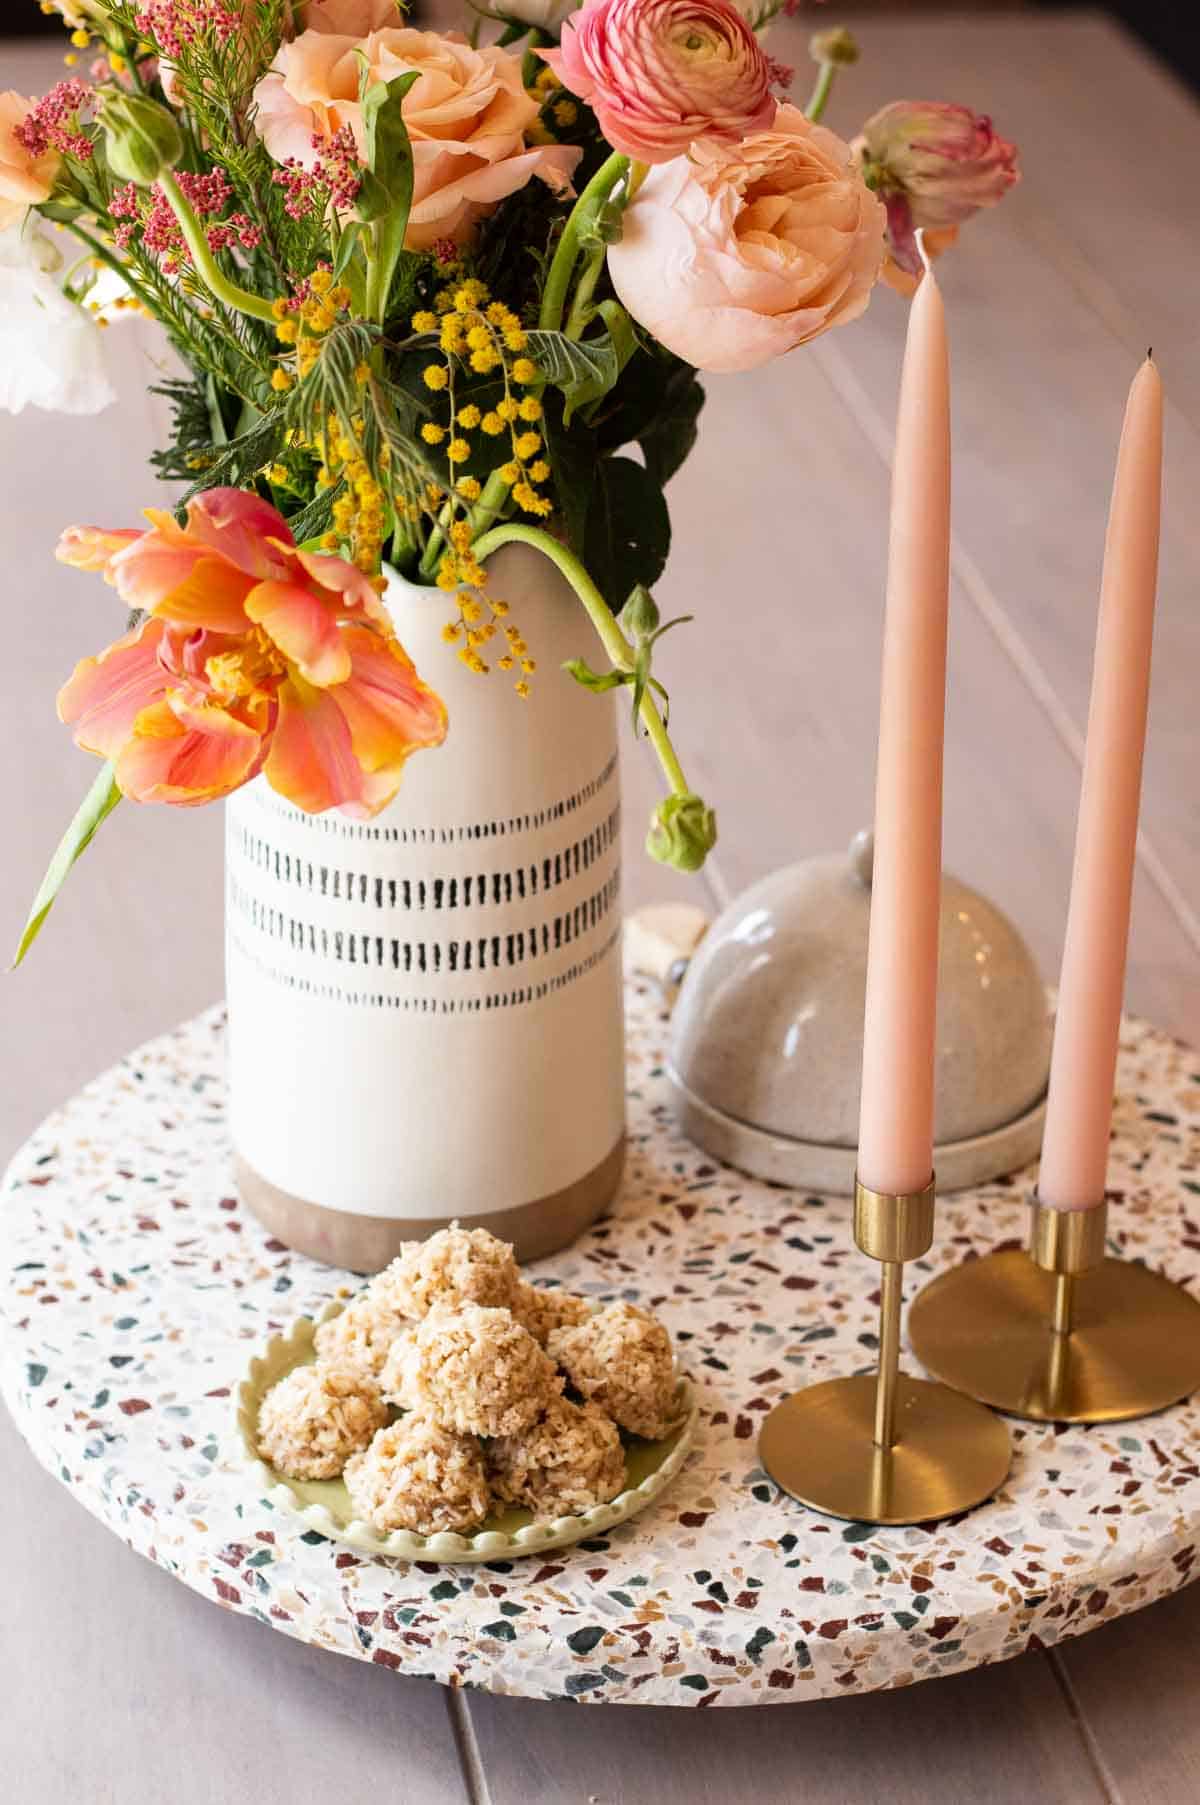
(698, 1600)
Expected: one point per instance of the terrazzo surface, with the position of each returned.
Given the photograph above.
(134, 1289)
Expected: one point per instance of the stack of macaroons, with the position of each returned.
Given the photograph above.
(479, 1361)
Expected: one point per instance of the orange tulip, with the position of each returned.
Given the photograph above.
(255, 656)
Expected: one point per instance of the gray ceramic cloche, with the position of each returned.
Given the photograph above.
(767, 1031)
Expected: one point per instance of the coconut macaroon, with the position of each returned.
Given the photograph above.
(477, 1371)
(620, 1359)
(417, 1475)
(568, 1461)
(359, 1337)
(314, 1419)
(399, 1380)
(543, 1311)
(455, 1266)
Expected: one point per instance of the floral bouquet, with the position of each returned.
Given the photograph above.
(434, 293)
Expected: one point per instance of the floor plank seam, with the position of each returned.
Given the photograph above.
(1105, 1778)
(1091, 288)
(466, 1745)
(991, 610)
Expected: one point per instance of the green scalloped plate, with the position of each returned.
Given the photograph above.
(324, 1504)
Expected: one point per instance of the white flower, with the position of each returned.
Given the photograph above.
(51, 350)
(547, 15)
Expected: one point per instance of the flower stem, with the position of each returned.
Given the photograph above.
(207, 268)
(374, 304)
(819, 98)
(483, 514)
(96, 248)
(585, 288)
(562, 267)
(618, 648)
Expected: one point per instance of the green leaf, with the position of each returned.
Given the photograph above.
(595, 680)
(216, 419)
(669, 440)
(628, 532)
(390, 163)
(307, 526)
(347, 245)
(373, 198)
(573, 463)
(658, 408)
(222, 462)
(622, 342)
(96, 806)
(584, 369)
(620, 330)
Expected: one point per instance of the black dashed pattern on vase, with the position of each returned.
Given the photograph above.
(393, 925)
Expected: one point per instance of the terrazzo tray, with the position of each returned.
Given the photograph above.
(324, 1505)
(133, 1290)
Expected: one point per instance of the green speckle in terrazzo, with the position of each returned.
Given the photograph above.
(121, 1214)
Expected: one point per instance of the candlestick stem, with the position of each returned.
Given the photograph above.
(1060, 1334)
(882, 1447)
(889, 1354)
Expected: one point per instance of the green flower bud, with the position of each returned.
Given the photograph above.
(683, 831)
(141, 139)
(638, 619)
(838, 46)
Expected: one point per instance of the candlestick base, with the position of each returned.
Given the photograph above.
(948, 1453)
(987, 1328)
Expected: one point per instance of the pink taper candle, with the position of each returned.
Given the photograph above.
(895, 1137)
(1084, 1060)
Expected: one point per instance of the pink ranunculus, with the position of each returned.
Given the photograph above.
(733, 255)
(933, 165)
(658, 73)
(467, 114)
(25, 177)
(256, 656)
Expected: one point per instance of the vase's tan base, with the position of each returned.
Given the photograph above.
(367, 1243)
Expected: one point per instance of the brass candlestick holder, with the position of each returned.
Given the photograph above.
(1060, 1333)
(884, 1448)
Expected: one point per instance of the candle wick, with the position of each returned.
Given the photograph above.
(922, 253)
(1150, 355)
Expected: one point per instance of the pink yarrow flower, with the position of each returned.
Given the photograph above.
(933, 165)
(660, 73)
(178, 26)
(28, 165)
(149, 212)
(54, 122)
(467, 115)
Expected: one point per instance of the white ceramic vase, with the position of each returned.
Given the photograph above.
(425, 1010)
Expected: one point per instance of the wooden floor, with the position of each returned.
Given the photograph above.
(120, 1685)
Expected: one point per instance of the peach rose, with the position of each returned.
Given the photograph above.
(349, 18)
(658, 73)
(467, 114)
(25, 177)
(735, 254)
